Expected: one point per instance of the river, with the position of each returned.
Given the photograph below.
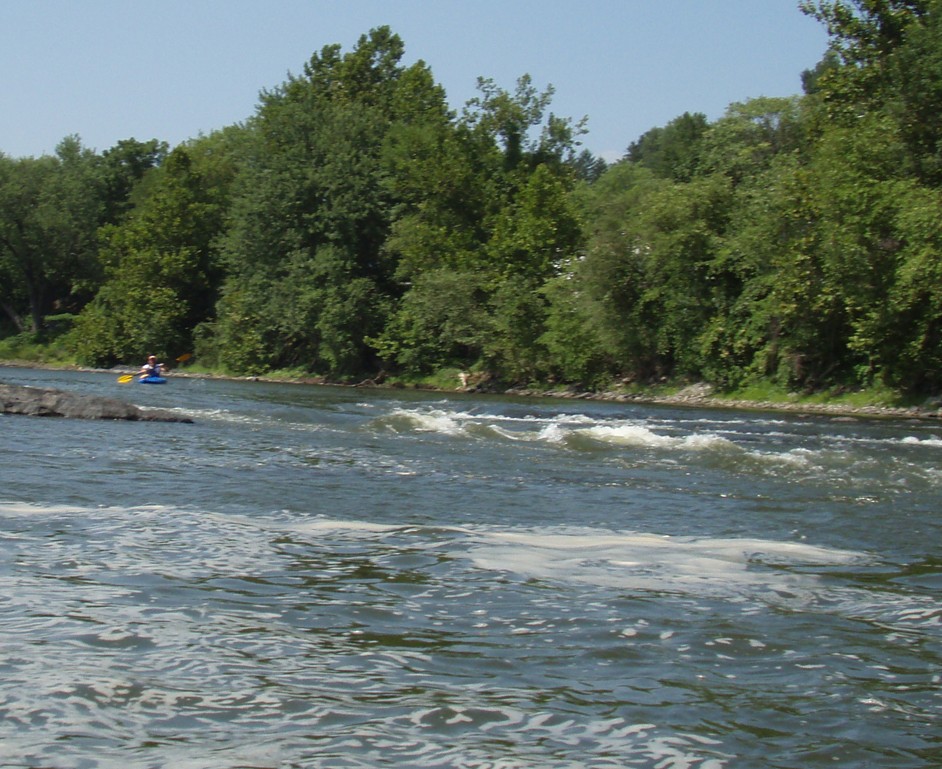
(312, 576)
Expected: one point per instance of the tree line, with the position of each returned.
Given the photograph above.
(355, 224)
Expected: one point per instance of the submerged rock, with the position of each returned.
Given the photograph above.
(47, 402)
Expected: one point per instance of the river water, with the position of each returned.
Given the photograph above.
(335, 577)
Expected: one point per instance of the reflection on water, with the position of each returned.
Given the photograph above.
(328, 577)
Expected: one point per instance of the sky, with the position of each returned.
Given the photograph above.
(173, 70)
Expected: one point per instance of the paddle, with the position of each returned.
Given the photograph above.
(125, 378)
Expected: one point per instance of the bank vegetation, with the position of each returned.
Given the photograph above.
(356, 228)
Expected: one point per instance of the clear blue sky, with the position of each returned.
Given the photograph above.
(172, 69)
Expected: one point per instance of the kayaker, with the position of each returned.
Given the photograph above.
(151, 368)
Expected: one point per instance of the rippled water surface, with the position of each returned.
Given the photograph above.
(329, 577)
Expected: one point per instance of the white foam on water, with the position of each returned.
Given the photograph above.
(434, 421)
(327, 525)
(762, 571)
(14, 508)
(914, 441)
(557, 429)
(797, 458)
(732, 569)
(218, 415)
(640, 436)
(580, 431)
(230, 675)
(781, 573)
(466, 424)
(633, 560)
(250, 420)
(733, 444)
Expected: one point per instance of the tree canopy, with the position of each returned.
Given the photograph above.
(355, 225)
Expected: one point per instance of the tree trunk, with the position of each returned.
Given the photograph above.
(13, 315)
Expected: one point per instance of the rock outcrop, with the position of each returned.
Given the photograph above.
(47, 402)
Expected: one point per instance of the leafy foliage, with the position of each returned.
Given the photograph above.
(160, 264)
(355, 224)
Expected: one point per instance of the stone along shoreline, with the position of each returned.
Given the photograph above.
(48, 402)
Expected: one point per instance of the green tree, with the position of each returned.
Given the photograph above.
(161, 266)
(611, 278)
(743, 142)
(537, 229)
(909, 325)
(487, 199)
(508, 118)
(865, 36)
(648, 270)
(671, 152)
(21, 267)
(575, 353)
(441, 321)
(916, 100)
(865, 32)
(309, 279)
(50, 209)
(776, 314)
(532, 239)
(123, 168)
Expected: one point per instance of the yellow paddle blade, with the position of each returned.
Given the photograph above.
(185, 356)
(124, 379)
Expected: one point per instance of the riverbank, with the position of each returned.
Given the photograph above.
(700, 395)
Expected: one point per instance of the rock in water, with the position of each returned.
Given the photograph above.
(47, 402)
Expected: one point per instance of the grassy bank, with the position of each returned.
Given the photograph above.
(25, 350)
